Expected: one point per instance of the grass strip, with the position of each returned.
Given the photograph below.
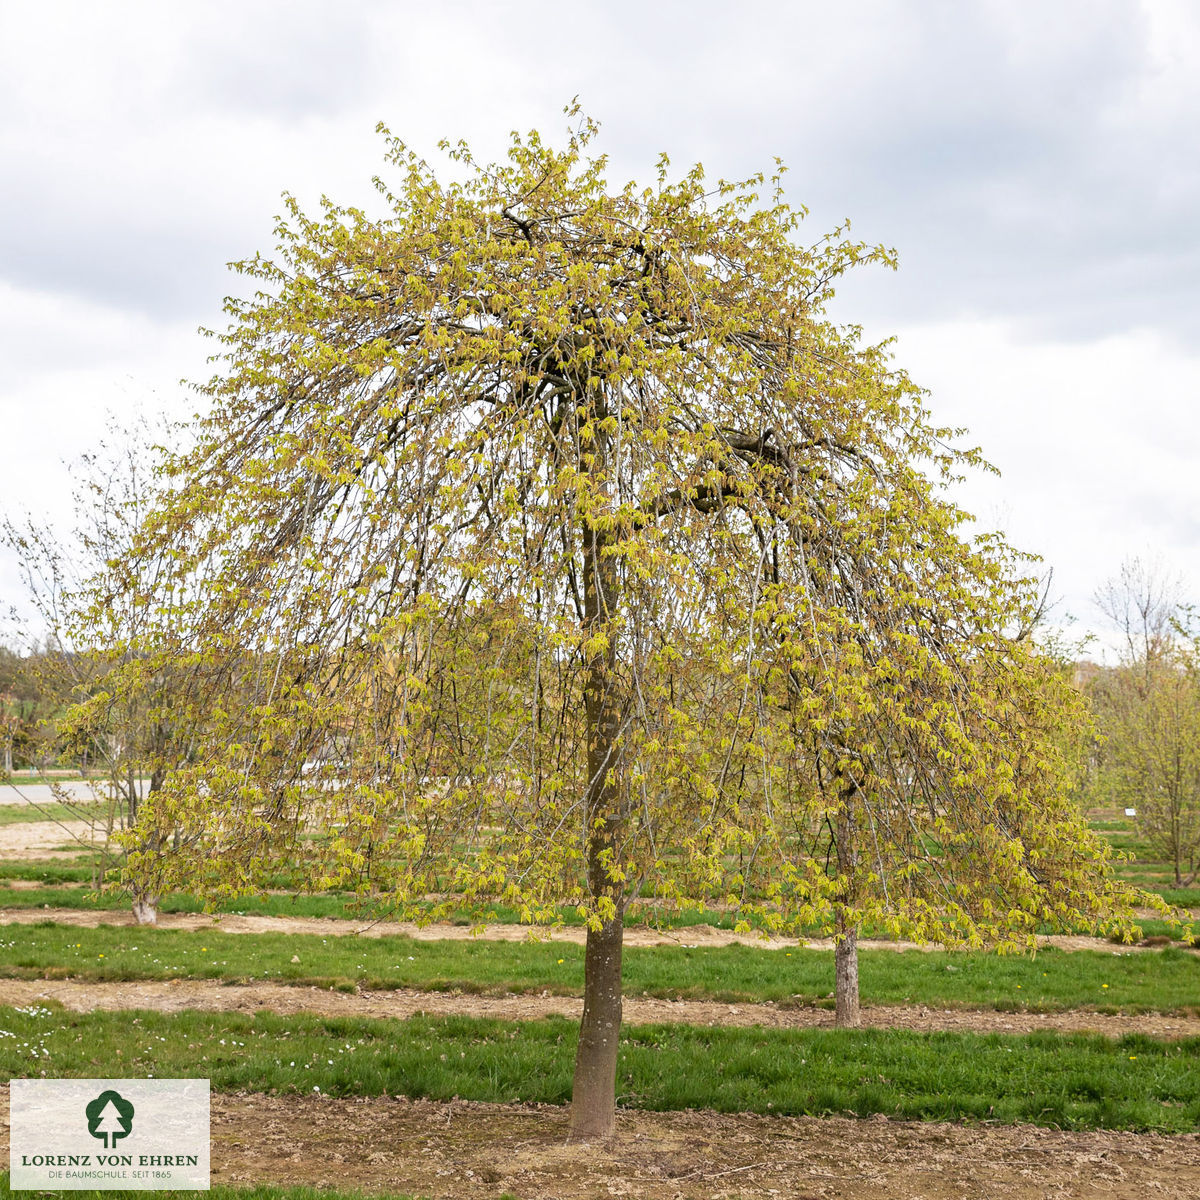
(27, 814)
(1064, 1081)
(84, 899)
(290, 904)
(217, 1192)
(1147, 981)
(59, 893)
(348, 906)
(44, 872)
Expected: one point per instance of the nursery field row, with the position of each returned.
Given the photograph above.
(201, 995)
(1074, 1081)
(1166, 981)
(25, 891)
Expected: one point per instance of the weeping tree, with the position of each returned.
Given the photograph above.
(561, 551)
(929, 749)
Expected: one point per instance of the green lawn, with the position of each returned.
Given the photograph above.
(1165, 981)
(26, 814)
(1069, 1082)
(1141, 868)
(63, 891)
(287, 900)
(60, 894)
(22, 776)
(48, 873)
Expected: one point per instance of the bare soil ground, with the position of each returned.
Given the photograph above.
(467, 1151)
(28, 840)
(690, 935)
(176, 995)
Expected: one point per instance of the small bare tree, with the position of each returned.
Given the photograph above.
(106, 612)
(1148, 708)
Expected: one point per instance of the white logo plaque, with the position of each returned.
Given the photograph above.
(109, 1133)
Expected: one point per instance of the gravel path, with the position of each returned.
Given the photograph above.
(467, 1151)
(176, 995)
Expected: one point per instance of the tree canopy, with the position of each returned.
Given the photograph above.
(560, 549)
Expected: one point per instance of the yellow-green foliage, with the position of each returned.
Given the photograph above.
(577, 552)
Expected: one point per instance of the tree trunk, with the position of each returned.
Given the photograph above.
(845, 953)
(845, 960)
(145, 909)
(145, 902)
(593, 1096)
(594, 1091)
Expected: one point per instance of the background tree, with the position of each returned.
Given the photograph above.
(10, 705)
(1148, 709)
(32, 697)
(931, 740)
(606, 563)
(114, 663)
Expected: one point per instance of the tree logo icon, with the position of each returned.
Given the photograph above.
(109, 1116)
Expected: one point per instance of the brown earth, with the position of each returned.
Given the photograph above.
(466, 1151)
(689, 935)
(176, 995)
(28, 840)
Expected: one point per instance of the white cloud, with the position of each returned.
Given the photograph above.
(1096, 444)
(1031, 162)
(64, 367)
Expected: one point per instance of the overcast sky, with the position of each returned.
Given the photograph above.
(1036, 164)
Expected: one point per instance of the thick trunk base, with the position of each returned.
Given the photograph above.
(845, 957)
(594, 1093)
(145, 910)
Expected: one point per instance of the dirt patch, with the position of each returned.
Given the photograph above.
(39, 839)
(177, 995)
(464, 1151)
(688, 936)
(33, 885)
